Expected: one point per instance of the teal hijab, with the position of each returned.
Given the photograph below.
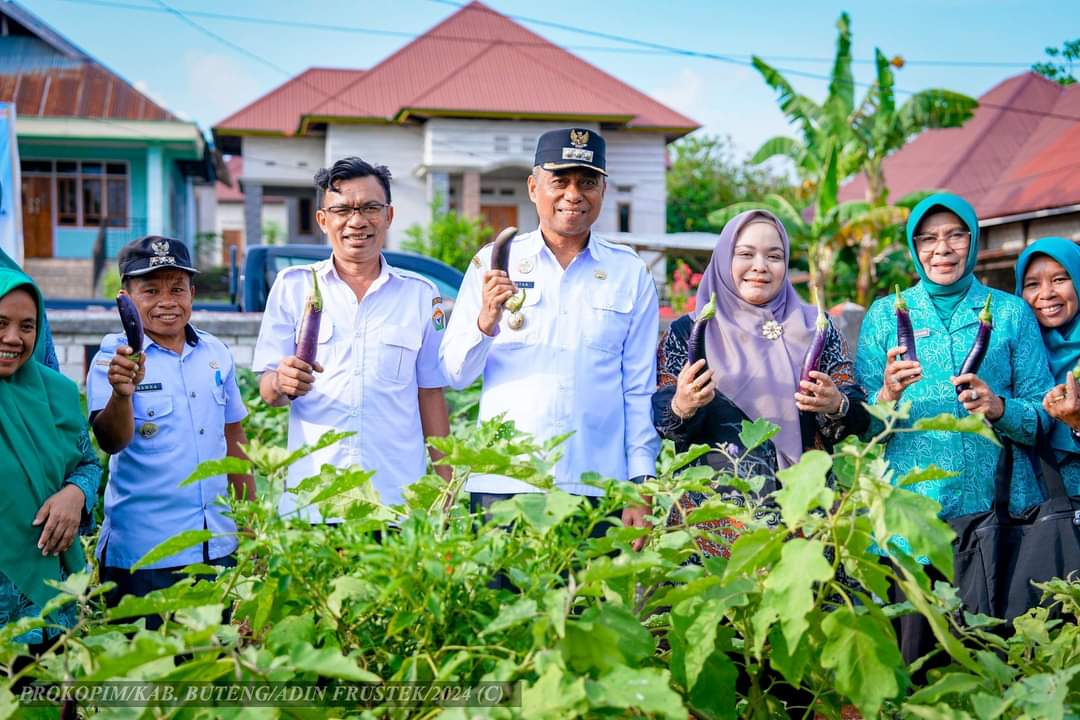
(946, 298)
(1062, 343)
(8, 263)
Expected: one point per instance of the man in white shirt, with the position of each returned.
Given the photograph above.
(377, 368)
(580, 353)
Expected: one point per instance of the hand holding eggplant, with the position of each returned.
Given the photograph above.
(977, 397)
(294, 377)
(126, 370)
(693, 390)
(1063, 402)
(819, 394)
(899, 374)
(60, 515)
(498, 288)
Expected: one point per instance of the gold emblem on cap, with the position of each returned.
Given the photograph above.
(525, 266)
(516, 321)
(148, 430)
(579, 138)
(160, 247)
(600, 275)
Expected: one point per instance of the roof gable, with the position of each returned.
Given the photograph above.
(476, 62)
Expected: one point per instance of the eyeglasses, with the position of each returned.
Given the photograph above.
(344, 212)
(955, 239)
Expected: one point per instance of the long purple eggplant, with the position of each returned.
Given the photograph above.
(979, 347)
(307, 343)
(500, 249)
(905, 335)
(817, 345)
(696, 347)
(132, 322)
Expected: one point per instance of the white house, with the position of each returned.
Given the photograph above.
(455, 115)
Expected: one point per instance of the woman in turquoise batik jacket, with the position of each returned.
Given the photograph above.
(1047, 277)
(943, 237)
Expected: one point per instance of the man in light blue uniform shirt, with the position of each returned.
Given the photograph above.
(159, 415)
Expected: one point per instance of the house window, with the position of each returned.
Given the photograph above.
(624, 217)
(306, 212)
(87, 192)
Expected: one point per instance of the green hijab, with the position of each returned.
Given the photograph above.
(40, 424)
(7, 262)
(946, 298)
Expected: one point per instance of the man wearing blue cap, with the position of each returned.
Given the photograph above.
(159, 415)
(576, 350)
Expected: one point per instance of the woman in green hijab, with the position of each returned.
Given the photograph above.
(943, 238)
(49, 470)
(1045, 274)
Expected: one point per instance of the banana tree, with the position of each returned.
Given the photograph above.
(860, 137)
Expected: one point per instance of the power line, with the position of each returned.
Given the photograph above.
(354, 29)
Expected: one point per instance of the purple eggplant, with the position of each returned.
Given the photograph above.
(132, 322)
(979, 347)
(308, 341)
(500, 249)
(817, 345)
(905, 335)
(696, 347)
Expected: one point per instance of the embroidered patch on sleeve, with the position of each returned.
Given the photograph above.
(438, 320)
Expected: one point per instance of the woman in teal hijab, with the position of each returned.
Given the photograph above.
(1044, 278)
(943, 237)
(50, 472)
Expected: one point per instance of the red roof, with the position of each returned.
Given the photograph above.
(475, 63)
(1016, 155)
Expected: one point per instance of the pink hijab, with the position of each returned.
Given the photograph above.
(757, 374)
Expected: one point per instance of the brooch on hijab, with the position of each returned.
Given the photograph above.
(772, 330)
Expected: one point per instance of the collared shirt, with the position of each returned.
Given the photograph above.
(584, 360)
(180, 410)
(376, 354)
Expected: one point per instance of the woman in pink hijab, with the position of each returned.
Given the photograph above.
(755, 348)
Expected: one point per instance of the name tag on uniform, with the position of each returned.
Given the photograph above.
(924, 332)
(147, 387)
(526, 284)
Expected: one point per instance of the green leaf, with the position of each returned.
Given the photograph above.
(554, 695)
(927, 474)
(175, 544)
(915, 518)
(540, 511)
(605, 637)
(264, 604)
(862, 652)
(291, 630)
(328, 438)
(212, 468)
(952, 684)
(510, 615)
(791, 662)
(803, 487)
(329, 662)
(753, 551)
(702, 636)
(1044, 695)
(940, 711)
(947, 422)
(789, 590)
(754, 434)
(647, 690)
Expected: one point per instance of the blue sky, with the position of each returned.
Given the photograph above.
(206, 80)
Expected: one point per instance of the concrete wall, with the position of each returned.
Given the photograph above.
(77, 335)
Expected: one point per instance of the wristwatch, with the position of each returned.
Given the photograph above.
(842, 412)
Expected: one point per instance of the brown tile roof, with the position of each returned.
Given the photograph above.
(1019, 153)
(476, 63)
(46, 76)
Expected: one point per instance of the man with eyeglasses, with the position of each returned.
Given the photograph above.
(377, 369)
(575, 350)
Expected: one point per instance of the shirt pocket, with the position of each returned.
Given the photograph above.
(153, 423)
(398, 347)
(609, 320)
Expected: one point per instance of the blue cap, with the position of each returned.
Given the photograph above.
(573, 147)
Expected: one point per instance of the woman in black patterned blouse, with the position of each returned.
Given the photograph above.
(754, 349)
